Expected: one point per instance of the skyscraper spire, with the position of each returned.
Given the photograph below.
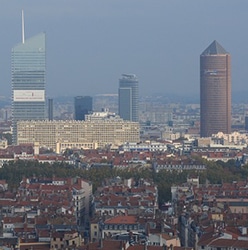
(23, 31)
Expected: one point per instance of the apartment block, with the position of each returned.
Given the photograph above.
(112, 132)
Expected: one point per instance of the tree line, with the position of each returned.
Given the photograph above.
(216, 173)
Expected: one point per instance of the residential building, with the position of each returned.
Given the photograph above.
(223, 243)
(28, 67)
(121, 224)
(180, 164)
(129, 97)
(215, 90)
(106, 244)
(145, 146)
(212, 216)
(65, 240)
(127, 198)
(103, 115)
(45, 213)
(83, 105)
(62, 146)
(138, 230)
(109, 132)
(234, 138)
(3, 143)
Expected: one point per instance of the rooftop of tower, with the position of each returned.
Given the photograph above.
(214, 49)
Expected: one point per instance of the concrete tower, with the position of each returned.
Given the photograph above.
(129, 98)
(215, 90)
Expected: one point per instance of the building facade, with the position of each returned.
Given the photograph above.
(215, 90)
(101, 132)
(83, 105)
(50, 109)
(129, 97)
(28, 67)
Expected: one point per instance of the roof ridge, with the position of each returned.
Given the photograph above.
(214, 49)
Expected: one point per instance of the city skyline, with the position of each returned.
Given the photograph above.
(90, 44)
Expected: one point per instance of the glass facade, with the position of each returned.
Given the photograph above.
(129, 97)
(82, 106)
(28, 68)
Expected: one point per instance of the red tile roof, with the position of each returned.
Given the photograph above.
(126, 219)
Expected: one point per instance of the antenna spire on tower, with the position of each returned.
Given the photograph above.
(23, 31)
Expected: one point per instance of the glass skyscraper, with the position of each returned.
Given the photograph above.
(28, 68)
(129, 97)
(83, 105)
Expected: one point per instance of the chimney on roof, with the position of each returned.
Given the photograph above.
(147, 228)
(145, 246)
(101, 243)
(122, 244)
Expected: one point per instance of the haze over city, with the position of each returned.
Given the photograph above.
(91, 43)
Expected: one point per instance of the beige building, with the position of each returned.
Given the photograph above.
(113, 132)
(3, 143)
(235, 138)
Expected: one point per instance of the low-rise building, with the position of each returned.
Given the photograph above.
(127, 199)
(65, 240)
(144, 146)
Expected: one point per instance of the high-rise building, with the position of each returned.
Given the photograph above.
(83, 105)
(28, 64)
(129, 97)
(246, 123)
(50, 109)
(215, 90)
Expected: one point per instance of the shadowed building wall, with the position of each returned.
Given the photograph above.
(83, 105)
(215, 90)
(50, 109)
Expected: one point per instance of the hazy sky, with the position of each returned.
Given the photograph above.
(90, 43)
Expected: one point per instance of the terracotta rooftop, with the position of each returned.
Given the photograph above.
(105, 245)
(229, 243)
(126, 219)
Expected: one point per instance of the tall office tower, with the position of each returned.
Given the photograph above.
(129, 97)
(83, 105)
(28, 63)
(215, 90)
(50, 109)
